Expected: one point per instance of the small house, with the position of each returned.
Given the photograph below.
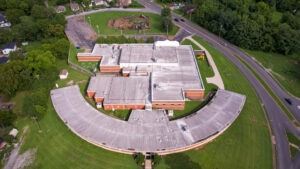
(74, 6)
(63, 74)
(3, 22)
(60, 9)
(8, 47)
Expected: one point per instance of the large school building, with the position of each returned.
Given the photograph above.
(160, 75)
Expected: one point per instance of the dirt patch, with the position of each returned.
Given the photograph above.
(134, 22)
(25, 159)
(295, 62)
(79, 18)
(81, 81)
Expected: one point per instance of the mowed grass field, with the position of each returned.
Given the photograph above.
(285, 69)
(101, 19)
(59, 148)
(246, 143)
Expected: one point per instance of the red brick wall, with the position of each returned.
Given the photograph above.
(123, 107)
(90, 94)
(99, 100)
(125, 74)
(169, 106)
(194, 94)
(85, 58)
(110, 69)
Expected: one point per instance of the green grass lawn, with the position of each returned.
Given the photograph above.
(189, 108)
(135, 4)
(245, 144)
(189, 42)
(293, 139)
(293, 151)
(31, 46)
(58, 147)
(285, 69)
(90, 66)
(101, 19)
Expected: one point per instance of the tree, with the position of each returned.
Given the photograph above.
(59, 19)
(38, 60)
(16, 55)
(10, 77)
(6, 118)
(55, 30)
(60, 48)
(166, 20)
(13, 15)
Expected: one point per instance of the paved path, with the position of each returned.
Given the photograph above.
(216, 79)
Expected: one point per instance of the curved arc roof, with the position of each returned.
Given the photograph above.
(145, 131)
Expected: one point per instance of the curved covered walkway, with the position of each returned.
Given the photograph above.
(146, 131)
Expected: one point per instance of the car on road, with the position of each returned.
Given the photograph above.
(182, 20)
(289, 101)
(176, 20)
(224, 44)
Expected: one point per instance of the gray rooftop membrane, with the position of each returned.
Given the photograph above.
(121, 90)
(145, 131)
(173, 69)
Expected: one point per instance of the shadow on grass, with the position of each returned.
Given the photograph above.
(208, 98)
(180, 161)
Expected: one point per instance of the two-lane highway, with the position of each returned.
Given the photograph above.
(279, 121)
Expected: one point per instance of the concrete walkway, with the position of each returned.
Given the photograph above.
(216, 79)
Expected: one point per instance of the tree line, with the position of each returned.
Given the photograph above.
(267, 25)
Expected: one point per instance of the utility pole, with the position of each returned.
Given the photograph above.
(35, 119)
(90, 20)
(221, 26)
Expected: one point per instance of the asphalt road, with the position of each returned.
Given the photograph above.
(279, 121)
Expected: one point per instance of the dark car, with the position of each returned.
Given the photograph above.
(176, 20)
(289, 101)
(182, 20)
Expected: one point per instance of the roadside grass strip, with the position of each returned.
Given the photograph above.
(270, 91)
(294, 144)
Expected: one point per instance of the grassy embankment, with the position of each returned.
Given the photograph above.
(270, 91)
(58, 147)
(101, 19)
(245, 144)
(284, 69)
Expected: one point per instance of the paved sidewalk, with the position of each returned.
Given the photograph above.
(216, 79)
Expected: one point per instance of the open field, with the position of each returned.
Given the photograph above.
(246, 144)
(101, 19)
(58, 147)
(285, 69)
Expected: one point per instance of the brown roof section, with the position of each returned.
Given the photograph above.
(63, 72)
